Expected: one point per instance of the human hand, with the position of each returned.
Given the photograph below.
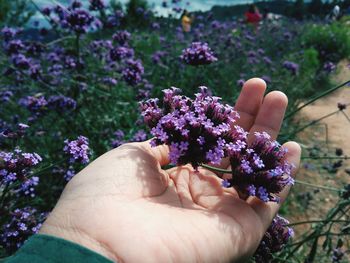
(127, 208)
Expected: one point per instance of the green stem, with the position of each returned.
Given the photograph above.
(59, 40)
(315, 221)
(327, 157)
(346, 116)
(216, 169)
(318, 186)
(77, 45)
(325, 93)
(314, 122)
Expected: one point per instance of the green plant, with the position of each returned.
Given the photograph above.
(331, 41)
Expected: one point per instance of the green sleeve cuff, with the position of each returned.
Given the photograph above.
(49, 249)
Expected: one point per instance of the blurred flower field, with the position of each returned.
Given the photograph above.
(72, 92)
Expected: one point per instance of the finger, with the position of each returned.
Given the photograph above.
(160, 153)
(249, 102)
(267, 211)
(271, 113)
(248, 105)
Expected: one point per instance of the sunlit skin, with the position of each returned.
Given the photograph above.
(127, 208)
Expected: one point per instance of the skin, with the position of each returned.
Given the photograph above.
(127, 208)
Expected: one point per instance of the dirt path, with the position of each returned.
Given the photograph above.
(338, 126)
(308, 205)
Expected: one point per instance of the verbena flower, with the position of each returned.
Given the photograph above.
(259, 169)
(16, 167)
(121, 37)
(337, 255)
(139, 136)
(15, 133)
(23, 223)
(119, 139)
(78, 150)
(329, 67)
(133, 72)
(195, 130)
(291, 66)
(8, 33)
(203, 130)
(61, 103)
(35, 104)
(69, 174)
(198, 54)
(96, 5)
(14, 47)
(21, 61)
(77, 20)
(275, 238)
(341, 106)
(119, 53)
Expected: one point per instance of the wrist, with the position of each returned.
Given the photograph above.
(78, 236)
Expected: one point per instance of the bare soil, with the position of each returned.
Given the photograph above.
(328, 135)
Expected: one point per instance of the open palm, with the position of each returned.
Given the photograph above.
(126, 207)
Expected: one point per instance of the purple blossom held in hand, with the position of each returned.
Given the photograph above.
(275, 238)
(196, 130)
(202, 131)
(260, 170)
(198, 54)
(78, 150)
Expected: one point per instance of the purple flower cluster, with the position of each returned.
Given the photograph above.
(8, 33)
(337, 255)
(132, 74)
(78, 150)
(15, 166)
(329, 67)
(39, 104)
(259, 170)
(15, 133)
(203, 130)
(194, 129)
(122, 52)
(77, 20)
(121, 37)
(6, 95)
(23, 223)
(120, 139)
(291, 66)
(96, 5)
(61, 103)
(276, 237)
(198, 54)
(157, 56)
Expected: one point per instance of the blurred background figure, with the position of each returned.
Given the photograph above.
(253, 15)
(335, 12)
(186, 21)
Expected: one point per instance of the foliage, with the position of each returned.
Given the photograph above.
(332, 41)
(89, 80)
(15, 13)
